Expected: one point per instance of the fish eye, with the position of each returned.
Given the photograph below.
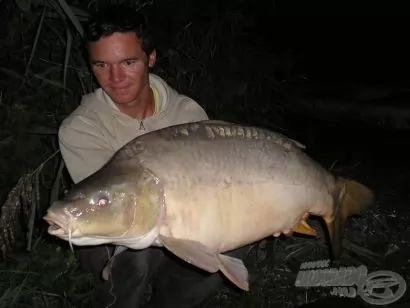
(102, 202)
(101, 199)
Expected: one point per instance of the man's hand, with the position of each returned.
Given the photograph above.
(289, 232)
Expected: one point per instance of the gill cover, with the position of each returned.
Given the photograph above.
(122, 199)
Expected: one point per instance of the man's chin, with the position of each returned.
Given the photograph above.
(123, 100)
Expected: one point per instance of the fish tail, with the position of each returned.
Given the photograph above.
(352, 198)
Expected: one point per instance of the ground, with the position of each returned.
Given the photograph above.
(49, 277)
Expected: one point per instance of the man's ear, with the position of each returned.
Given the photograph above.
(152, 58)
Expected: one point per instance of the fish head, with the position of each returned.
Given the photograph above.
(114, 203)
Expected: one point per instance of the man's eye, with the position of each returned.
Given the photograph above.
(100, 65)
(129, 62)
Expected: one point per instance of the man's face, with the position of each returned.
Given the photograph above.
(121, 66)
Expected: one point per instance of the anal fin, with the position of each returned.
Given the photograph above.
(234, 270)
(192, 252)
(209, 260)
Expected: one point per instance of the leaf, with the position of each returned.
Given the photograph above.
(11, 73)
(22, 200)
(55, 189)
(69, 13)
(36, 40)
(67, 57)
(24, 5)
(51, 82)
(42, 130)
(6, 141)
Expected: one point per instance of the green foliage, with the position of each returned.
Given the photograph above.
(48, 277)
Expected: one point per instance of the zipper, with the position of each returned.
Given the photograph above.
(142, 127)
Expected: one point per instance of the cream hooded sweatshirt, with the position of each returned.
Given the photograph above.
(96, 129)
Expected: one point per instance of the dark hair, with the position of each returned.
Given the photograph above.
(122, 19)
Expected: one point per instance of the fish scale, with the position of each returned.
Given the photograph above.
(220, 129)
(202, 189)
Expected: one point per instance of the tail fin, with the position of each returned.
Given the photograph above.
(354, 198)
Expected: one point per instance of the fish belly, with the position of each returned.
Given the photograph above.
(228, 216)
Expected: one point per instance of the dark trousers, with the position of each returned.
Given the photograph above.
(176, 284)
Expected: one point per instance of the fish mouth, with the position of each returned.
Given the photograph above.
(58, 225)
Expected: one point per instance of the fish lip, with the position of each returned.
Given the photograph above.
(57, 226)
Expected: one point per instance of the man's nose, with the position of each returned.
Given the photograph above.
(116, 73)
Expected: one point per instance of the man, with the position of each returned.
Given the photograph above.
(129, 102)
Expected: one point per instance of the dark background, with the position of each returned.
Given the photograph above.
(332, 74)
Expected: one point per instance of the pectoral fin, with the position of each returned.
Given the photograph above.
(192, 252)
(201, 256)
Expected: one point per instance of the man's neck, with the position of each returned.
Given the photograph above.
(141, 108)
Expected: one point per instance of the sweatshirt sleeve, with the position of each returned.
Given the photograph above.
(83, 149)
(191, 111)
